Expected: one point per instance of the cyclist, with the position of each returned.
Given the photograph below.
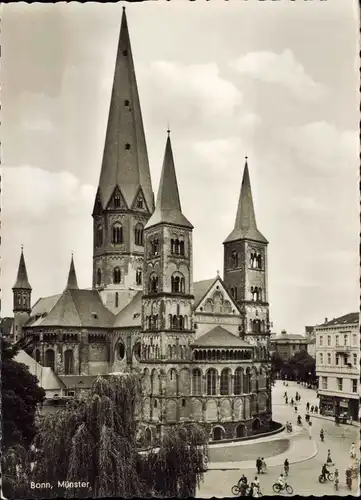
(324, 472)
(281, 481)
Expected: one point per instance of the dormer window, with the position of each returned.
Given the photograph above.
(125, 52)
(94, 315)
(117, 201)
(127, 146)
(126, 102)
(140, 203)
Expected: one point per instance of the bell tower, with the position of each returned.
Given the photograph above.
(245, 266)
(124, 200)
(168, 276)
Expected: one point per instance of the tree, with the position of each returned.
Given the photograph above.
(93, 439)
(20, 395)
(304, 366)
(276, 364)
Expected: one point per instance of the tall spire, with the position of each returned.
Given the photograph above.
(22, 277)
(245, 226)
(168, 207)
(72, 283)
(125, 159)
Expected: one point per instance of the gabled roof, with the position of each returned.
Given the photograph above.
(77, 308)
(245, 226)
(78, 381)
(346, 319)
(22, 277)
(168, 208)
(200, 289)
(220, 337)
(125, 158)
(131, 315)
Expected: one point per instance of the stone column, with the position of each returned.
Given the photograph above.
(232, 385)
(218, 388)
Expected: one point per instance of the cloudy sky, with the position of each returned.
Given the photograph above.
(275, 80)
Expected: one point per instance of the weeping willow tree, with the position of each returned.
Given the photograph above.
(94, 439)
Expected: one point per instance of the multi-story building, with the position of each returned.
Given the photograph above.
(202, 347)
(311, 340)
(338, 365)
(287, 344)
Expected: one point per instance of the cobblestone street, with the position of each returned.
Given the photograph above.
(304, 471)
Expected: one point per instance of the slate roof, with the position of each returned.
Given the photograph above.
(22, 277)
(131, 315)
(48, 380)
(168, 208)
(200, 289)
(346, 319)
(73, 308)
(245, 226)
(287, 337)
(220, 337)
(78, 381)
(127, 169)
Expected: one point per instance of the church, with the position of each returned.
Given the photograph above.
(202, 348)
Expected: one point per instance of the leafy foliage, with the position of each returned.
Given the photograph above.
(20, 395)
(302, 366)
(93, 439)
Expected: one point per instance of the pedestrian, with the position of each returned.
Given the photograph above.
(312, 407)
(286, 401)
(353, 451)
(307, 406)
(322, 435)
(329, 459)
(286, 466)
(316, 409)
(295, 409)
(259, 465)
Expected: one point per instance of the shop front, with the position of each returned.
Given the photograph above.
(327, 405)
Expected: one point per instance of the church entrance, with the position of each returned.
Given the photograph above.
(256, 424)
(240, 431)
(217, 433)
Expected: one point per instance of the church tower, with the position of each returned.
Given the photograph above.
(21, 299)
(245, 267)
(124, 200)
(168, 279)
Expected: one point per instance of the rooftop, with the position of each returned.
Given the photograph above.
(346, 319)
(220, 337)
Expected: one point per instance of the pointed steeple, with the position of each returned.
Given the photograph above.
(125, 159)
(22, 281)
(72, 283)
(168, 207)
(245, 226)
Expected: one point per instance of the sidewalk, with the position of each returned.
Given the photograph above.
(301, 449)
(332, 419)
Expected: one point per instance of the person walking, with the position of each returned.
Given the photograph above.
(286, 466)
(316, 409)
(310, 429)
(259, 465)
(329, 459)
(322, 435)
(312, 408)
(353, 451)
(307, 406)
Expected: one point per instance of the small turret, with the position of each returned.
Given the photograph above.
(72, 283)
(22, 298)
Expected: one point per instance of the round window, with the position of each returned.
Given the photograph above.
(121, 350)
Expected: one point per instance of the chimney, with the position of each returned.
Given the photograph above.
(326, 319)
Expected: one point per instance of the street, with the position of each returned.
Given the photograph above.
(303, 476)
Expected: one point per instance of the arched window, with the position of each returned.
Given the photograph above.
(68, 362)
(259, 261)
(176, 246)
(237, 390)
(50, 359)
(154, 247)
(180, 322)
(153, 283)
(117, 201)
(224, 383)
(196, 382)
(174, 322)
(37, 355)
(170, 352)
(178, 283)
(117, 275)
(117, 233)
(185, 320)
(211, 382)
(181, 245)
(99, 236)
(138, 276)
(138, 234)
(99, 277)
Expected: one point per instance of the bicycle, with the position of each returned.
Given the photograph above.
(327, 477)
(236, 489)
(277, 488)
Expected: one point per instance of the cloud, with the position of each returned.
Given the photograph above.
(52, 216)
(279, 69)
(190, 92)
